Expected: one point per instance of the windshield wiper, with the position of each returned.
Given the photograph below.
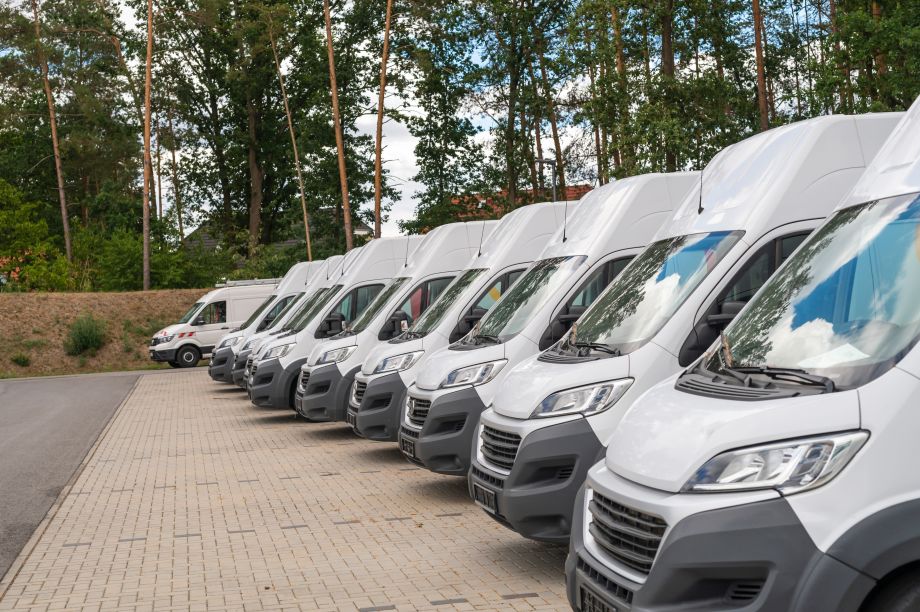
(600, 347)
(409, 334)
(487, 338)
(788, 375)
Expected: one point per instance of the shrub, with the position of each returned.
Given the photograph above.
(86, 335)
(21, 360)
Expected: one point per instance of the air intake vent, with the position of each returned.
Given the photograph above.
(499, 447)
(305, 379)
(418, 411)
(628, 535)
(358, 393)
(715, 386)
(605, 585)
(744, 591)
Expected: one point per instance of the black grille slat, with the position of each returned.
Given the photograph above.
(304, 379)
(360, 388)
(500, 447)
(629, 536)
(489, 478)
(604, 584)
(409, 433)
(418, 411)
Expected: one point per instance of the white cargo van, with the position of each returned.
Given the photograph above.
(296, 315)
(608, 227)
(775, 472)
(290, 289)
(273, 370)
(378, 394)
(184, 343)
(554, 413)
(326, 378)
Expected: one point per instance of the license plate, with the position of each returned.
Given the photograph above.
(407, 447)
(484, 498)
(351, 418)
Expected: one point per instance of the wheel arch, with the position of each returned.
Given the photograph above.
(883, 542)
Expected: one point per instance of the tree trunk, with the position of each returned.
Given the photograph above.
(159, 179)
(378, 162)
(290, 122)
(553, 124)
(337, 124)
(623, 154)
(52, 119)
(148, 166)
(177, 193)
(255, 177)
(846, 92)
(761, 78)
(667, 68)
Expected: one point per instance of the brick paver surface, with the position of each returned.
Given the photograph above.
(196, 500)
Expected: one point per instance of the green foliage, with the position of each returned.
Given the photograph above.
(85, 336)
(21, 359)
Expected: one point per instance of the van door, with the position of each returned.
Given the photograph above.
(210, 325)
(413, 306)
(482, 305)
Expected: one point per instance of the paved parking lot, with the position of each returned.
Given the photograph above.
(194, 499)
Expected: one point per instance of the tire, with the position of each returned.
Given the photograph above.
(901, 594)
(188, 356)
(174, 364)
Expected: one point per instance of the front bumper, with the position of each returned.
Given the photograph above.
(163, 354)
(536, 497)
(238, 369)
(381, 409)
(444, 441)
(221, 364)
(752, 557)
(271, 385)
(325, 398)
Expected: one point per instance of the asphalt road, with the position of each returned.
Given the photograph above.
(47, 425)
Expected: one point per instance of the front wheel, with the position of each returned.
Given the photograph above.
(188, 356)
(901, 594)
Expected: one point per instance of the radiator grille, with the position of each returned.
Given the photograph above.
(499, 447)
(418, 411)
(629, 536)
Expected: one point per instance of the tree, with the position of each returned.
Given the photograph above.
(337, 123)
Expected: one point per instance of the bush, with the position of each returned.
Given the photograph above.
(86, 335)
(21, 360)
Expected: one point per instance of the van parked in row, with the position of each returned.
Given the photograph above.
(377, 396)
(194, 336)
(597, 240)
(326, 379)
(757, 201)
(774, 472)
(273, 371)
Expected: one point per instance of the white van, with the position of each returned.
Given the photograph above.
(292, 318)
(378, 395)
(273, 370)
(327, 376)
(290, 289)
(184, 343)
(761, 198)
(608, 227)
(729, 484)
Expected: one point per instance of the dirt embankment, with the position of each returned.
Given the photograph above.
(34, 326)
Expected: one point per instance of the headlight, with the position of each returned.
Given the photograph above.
(788, 467)
(229, 342)
(397, 363)
(278, 351)
(474, 375)
(586, 400)
(336, 355)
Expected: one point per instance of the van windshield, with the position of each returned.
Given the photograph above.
(647, 293)
(364, 318)
(539, 284)
(843, 307)
(432, 317)
(255, 316)
(191, 312)
(310, 308)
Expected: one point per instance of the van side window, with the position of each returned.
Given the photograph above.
(363, 296)
(348, 308)
(215, 312)
(486, 300)
(584, 297)
(729, 302)
(274, 311)
(423, 296)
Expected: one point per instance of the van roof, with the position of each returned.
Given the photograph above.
(447, 248)
(619, 215)
(238, 291)
(520, 236)
(297, 277)
(790, 173)
(895, 170)
(379, 259)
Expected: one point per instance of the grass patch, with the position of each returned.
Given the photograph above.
(86, 336)
(36, 343)
(21, 359)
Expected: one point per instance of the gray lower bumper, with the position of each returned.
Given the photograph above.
(326, 395)
(756, 558)
(381, 409)
(537, 497)
(444, 443)
(273, 386)
(221, 364)
(164, 355)
(238, 369)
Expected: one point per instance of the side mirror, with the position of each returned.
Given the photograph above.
(395, 325)
(727, 312)
(199, 321)
(333, 324)
(474, 316)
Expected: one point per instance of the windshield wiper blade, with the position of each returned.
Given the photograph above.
(488, 338)
(600, 347)
(789, 375)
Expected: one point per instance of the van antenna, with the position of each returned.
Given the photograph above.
(699, 210)
(481, 234)
(406, 262)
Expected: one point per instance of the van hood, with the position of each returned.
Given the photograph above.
(331, 344)
(383, 350)
(170, 330)
(443, 362)
(532, 381)
(667, 434)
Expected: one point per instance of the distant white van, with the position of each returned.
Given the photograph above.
(183, 344)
